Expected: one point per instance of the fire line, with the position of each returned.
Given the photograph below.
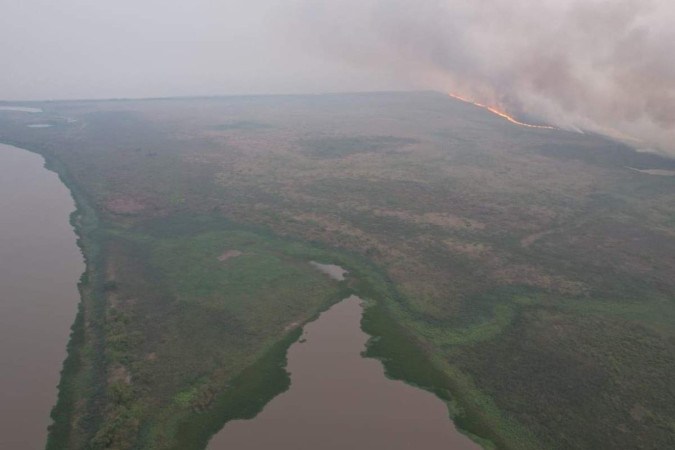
(501, 114)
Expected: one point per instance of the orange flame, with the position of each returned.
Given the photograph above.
(501, 114)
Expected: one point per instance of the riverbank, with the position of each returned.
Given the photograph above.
(76, 415)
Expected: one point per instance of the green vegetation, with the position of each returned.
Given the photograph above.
(522, 275)
(196, 341)
(244, 398)
(338, 147)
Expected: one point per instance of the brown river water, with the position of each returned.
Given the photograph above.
(339, 400)
(40, 265)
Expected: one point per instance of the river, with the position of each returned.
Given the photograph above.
(339, 400)
(40, 265)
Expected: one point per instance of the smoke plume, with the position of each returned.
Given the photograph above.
(600, 65)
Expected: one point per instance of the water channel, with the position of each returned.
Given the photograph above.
(40, 265)
(339, 400)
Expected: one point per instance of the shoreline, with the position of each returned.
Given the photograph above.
(85, 224)
(84, 221)
(195, 430)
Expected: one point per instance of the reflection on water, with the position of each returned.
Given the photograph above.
(39, 268)
(339, 400)
(20, 109)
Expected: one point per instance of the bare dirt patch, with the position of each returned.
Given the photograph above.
(119, 373)
(332, 270)
(229, 254)
(534, 237)
(291, 326)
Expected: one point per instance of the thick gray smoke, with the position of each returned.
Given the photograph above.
(600, 65)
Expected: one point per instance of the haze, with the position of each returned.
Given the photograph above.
(596, 65)
(75, 49)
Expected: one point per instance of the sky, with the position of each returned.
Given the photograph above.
(599, 65)
(69, 49)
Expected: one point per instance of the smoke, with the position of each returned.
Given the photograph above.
(600, 65)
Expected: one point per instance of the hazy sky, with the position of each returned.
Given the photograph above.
(604, 65)
(139, 48)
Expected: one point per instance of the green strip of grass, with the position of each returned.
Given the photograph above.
(81, 373)
(405, 359)
(244, 398)
(63, 412)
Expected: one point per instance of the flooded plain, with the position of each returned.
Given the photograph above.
(40, 265)
(340, 400)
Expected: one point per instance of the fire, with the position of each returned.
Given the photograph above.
(501, 114)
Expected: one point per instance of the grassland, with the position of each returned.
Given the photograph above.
(523, 275)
